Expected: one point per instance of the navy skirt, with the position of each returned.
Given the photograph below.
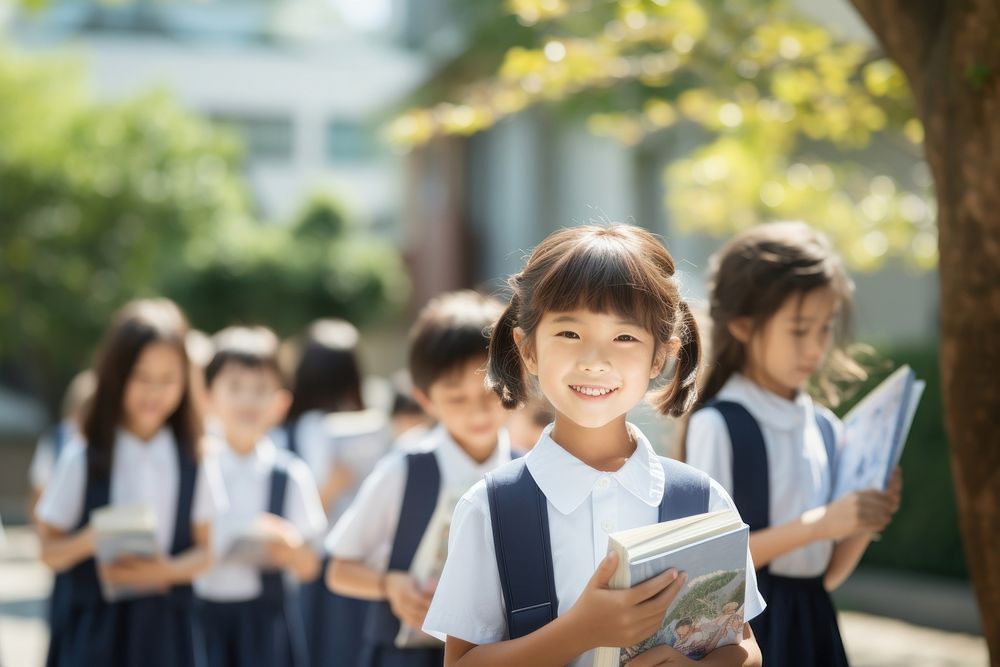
(156, 631)
(252, 634)
(60, 620)
(799, 626)
(334, 624)
(373, 655)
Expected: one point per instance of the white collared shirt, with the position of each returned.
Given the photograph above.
(367, 529)
(584, 505)
(142, 473)
(43, 462)
(248, 485)
(798, 471)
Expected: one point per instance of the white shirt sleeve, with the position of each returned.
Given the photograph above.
(754, 604)
(304, 507)
(708, 446)
(468, 601)
(210, 498)
(366, 530)
(61, 504)
(42, 463)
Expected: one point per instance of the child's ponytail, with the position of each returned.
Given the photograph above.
(505, 370)
(678, 396)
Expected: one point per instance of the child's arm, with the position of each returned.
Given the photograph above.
(355, 579)
(857, 512)
(287, 550)
(600, 617)
(847, 553)
(62, 550)
(337, 482)
(162, 572)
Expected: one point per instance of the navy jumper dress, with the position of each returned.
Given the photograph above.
(799, 626)
(151, 631)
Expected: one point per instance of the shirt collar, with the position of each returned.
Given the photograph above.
(160, 446)
(454, 459)
(567, 481)
(765, 406)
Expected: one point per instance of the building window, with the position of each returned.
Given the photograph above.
(350, 141)
(265, 137)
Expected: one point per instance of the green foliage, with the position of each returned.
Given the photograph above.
(287, 276)
(785, 110)
(104, 203)
(924, 536)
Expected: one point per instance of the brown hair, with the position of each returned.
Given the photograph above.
(753, 275)
(137, 325)
(328, 373)
(450, 331)
(615, 268)
(249, 347)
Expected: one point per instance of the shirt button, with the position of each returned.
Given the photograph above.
(603, 483)
(608, 525)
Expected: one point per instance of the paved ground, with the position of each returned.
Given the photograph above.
(872, 641)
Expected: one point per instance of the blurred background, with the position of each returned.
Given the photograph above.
(285, 160)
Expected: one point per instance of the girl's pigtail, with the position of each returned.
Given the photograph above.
(681, 393)
(505, 370)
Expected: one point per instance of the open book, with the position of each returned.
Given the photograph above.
(119, 531)
(708, 610)
(875, 431)
(428, 563)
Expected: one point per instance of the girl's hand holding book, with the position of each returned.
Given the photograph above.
(623, 617)
(856, 513)
(284, 542)
(409, 602)
(139, 571)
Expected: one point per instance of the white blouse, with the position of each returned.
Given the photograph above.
(584, 505)
(366, 530)
(143, 473)
(798, 470)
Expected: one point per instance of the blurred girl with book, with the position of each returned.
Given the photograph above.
(341, 441)
(139, 449)
(594, 316)
(780, 302)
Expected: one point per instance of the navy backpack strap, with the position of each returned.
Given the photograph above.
(521, 540)
(84, 586)
(290, 428)
(751, 485)
(420, 497)
(272, 582)
(187, 473)
(685, 490)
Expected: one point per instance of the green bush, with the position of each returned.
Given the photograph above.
(924, 536)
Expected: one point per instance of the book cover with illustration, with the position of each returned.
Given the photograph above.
(708, 611)
(428, 563)
(875, 431)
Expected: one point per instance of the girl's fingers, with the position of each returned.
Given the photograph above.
(652, 587)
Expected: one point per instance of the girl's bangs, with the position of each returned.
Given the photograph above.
(601, 278)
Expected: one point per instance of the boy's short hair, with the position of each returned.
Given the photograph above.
(250, 347)
(451, 330)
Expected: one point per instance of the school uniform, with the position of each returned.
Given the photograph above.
(43, 462)
(582, 506)
(775, 456)
(154, 630)
(355, 440)
(252, 617)
(384, 526)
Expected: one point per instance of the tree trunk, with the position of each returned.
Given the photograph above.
(950, 52)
